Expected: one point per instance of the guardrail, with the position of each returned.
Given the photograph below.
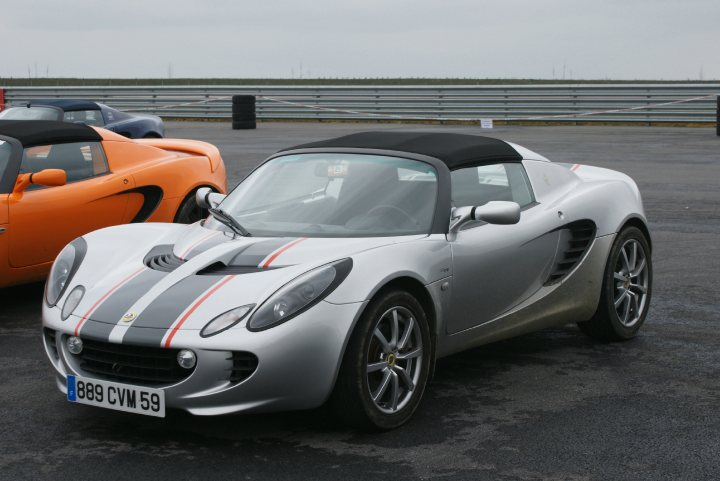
(638, 103)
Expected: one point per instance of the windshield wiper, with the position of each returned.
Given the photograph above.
(229, 221)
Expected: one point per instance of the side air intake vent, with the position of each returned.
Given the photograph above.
(161, 258)
(244, 365)
(575, 238)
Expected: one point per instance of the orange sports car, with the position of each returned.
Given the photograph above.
(59, 181)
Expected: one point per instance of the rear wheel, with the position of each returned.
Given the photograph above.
(386, 364)
(626, 290)
(189, 211)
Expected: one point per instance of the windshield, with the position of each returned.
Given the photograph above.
(335, 195)
(30, 113)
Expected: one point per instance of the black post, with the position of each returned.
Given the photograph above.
(243, 112)
(717, 119)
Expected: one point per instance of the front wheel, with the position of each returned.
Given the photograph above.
(386, 364)
(626, 290)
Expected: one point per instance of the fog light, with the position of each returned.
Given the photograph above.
(74, 344)
(186, 359)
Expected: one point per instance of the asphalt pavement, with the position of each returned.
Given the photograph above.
(553, 405)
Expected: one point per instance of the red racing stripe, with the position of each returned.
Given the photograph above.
(281, 250)
(192, 309)
(105, 296)
(574, 167)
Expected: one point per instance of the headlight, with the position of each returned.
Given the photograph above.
(72, 301)
(225, 321)
(66, 263)
(299, 295)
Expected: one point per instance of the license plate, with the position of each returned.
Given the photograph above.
(113, 395)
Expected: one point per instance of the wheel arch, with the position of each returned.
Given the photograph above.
(417, 289)
(640, 224)
(191, 193)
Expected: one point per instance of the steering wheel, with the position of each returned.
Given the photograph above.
(392, 208)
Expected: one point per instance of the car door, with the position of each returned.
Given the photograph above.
(496, 267)
(42, 220)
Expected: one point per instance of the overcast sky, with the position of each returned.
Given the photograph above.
(619, 39)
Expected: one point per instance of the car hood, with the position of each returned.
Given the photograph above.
(271, 252)
(184, 276)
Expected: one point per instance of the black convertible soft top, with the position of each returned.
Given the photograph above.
(68, 105)
(455, 150)
(45, 132)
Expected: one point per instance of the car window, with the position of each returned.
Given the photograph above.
(87, 117)
(79, 160)
(30, 113)
(5, 152)
(478, 185)
(112, 115)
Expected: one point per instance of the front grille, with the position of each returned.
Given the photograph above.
(134, 364)
(244, 364)
(50, 337)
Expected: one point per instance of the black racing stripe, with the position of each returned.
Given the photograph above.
(152, 324)
(108, 314)
(253, 255)
(96, 331)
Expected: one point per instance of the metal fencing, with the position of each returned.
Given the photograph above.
(636, 103)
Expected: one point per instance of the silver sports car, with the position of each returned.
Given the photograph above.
(340, 271)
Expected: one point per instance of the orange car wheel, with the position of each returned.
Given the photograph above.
(189, 212)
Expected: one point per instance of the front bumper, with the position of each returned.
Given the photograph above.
(297, 365)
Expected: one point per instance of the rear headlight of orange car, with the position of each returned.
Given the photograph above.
(63, 270)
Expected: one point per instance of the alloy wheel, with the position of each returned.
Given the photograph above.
(631, 280)
(394, 359)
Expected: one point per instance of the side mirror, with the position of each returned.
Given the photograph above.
(47, 177)
(207, 198)
(493, 212)
(497, 212)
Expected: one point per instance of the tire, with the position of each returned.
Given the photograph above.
(352, 399)
(243, 100)
(151, 135)
(243, 112)
(244, 125)
(244, 117)
(611, 323)
(189, 211)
